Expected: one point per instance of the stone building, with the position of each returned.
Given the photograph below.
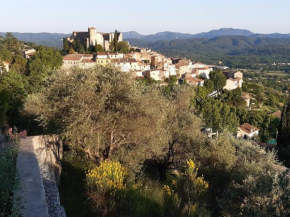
(92, 37)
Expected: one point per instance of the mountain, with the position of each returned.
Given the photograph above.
(47, 39)
(233, 51)
(132, 35)
(177, 35)
(273, 35)
(224, 32)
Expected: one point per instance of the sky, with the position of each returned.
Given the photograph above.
(145, 16)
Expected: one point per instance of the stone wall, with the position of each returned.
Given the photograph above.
(49, 152)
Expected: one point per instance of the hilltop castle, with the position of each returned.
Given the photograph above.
(92, 37)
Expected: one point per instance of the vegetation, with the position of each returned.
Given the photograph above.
(136, 148)
(232, 51)
(141, 153)
(9, 179)
(24, 77)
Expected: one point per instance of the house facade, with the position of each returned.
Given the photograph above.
(247, 131)
(78, 60)
(233, 83)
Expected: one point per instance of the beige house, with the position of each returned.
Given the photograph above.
(4, 67)
(29, 53)
(103, 61)
(157, 75)
(247, 131)
(78, 60)
(183, 66)
(233, 83)
(202, 72)
(247, 98)
(193, 81)
(199, 65)
(233, 74)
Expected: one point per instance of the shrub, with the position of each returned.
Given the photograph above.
(8, 179)
(106, 185)
(187, 193)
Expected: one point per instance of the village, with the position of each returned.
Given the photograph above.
(146, 64)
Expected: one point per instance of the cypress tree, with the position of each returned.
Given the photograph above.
(66, 45)
(116, 40)
(283, 139)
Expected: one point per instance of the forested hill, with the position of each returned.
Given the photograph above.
(225, 48)
(44, 38)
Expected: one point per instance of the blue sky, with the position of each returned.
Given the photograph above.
(146, 16)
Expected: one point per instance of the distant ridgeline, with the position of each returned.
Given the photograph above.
(47, 39)
(233, 47)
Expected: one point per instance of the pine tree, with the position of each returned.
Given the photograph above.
(283, 139)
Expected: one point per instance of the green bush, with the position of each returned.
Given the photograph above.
(8, 179)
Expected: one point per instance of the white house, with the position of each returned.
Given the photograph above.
(233, 83)
(5, 66)
(126, 65)
(203, 72)
(247, 131)
(116, 55)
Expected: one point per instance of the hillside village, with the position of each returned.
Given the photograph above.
(143, 63)
(146, 64)
(178, 109)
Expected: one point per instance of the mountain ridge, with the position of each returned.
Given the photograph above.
(55, 39)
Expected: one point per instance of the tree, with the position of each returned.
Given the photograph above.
(284, 127)
(41, 65)
(122, 47)
(66, 45)
(12, 43)
(71, 51)
(116, 40)
(99, 48)
(209, 85)
(19, 63)
(218, 79)
(115, 112)
(12, 95)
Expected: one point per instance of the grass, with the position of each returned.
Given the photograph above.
(72, 187)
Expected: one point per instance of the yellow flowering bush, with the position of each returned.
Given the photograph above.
(185, 195)
(192, 174)
(109, 176)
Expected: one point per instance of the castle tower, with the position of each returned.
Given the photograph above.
(92, 36)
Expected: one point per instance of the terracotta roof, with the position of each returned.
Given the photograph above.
(128, 60)
(277, 114)
(72, 57)
(88, 61)
(5, 63)
(102, 53)
(77, 57)
(248, 128)
(202, 68)
(193, 80)
(246, 95)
